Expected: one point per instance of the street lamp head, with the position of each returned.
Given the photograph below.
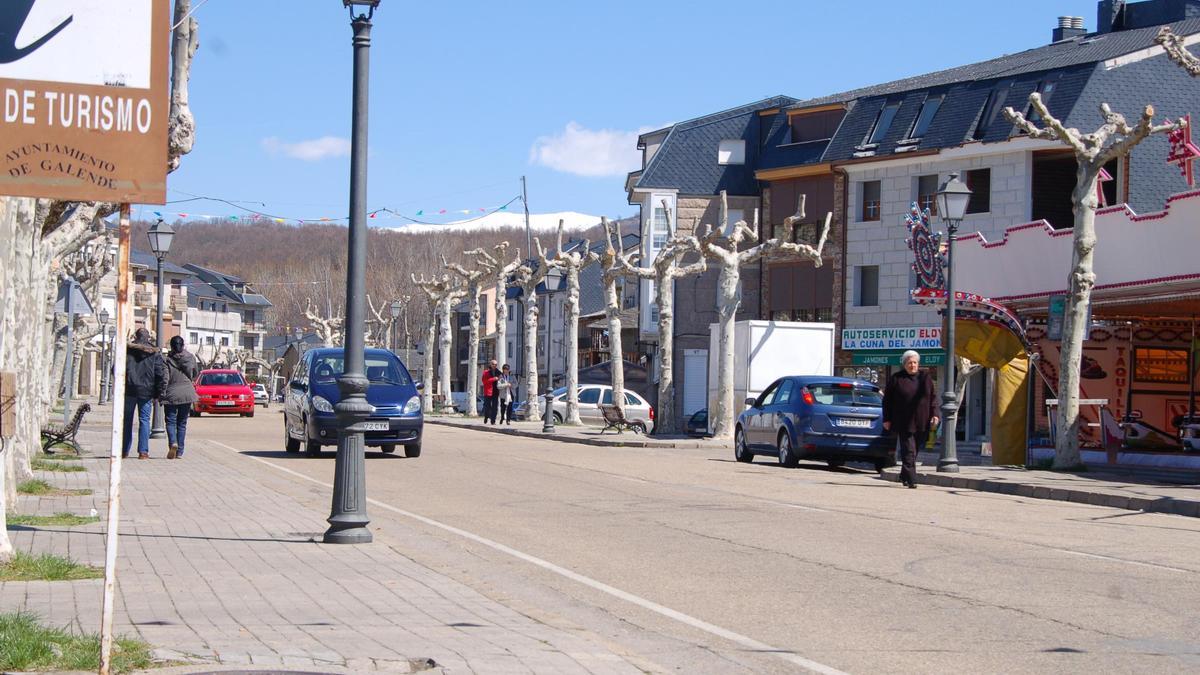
(396, 307)
(370, 5)
(952, 199)
(103, 316)
(160, 236)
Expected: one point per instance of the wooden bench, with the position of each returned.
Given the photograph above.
(57, 433)
(615, 419)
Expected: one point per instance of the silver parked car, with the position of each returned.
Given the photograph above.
(591, 397)
(261, 397)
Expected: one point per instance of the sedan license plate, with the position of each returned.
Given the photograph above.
(224, 403)
(854, 422)
(374, 426)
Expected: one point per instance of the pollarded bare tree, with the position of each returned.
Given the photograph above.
(502, 269)
(327, 328)
(1177, 51)
(443, 292)
(472, 280)
(570, 262)
(723, 244)
(616, 265)
(668, 266)
(1115, 138)
(48, 231)
(528, 276)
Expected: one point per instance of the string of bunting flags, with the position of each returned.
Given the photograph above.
(255, 216)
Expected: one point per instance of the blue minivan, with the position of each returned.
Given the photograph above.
(308, 408)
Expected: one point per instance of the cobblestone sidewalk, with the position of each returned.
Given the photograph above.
(216, 569)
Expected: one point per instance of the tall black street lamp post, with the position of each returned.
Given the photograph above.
(395, 308)
(160, 236)
(553, 280)
(103, 317)
(348, 517)
(952, 200)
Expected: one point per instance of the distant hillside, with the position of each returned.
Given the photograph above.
(291, 264)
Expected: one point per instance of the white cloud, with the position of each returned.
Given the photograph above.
(587, 152)
(313, 150)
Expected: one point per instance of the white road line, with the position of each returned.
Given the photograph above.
(1123, 560)
(699, 624)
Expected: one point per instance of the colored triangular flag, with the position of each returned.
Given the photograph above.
(420, 213)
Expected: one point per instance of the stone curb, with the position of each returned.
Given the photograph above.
(614, 442)
(1181, 507)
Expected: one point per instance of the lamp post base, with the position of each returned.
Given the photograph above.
(548, 413)
(157, 428)
(948, 461)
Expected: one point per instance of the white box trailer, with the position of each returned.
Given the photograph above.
(764, 351)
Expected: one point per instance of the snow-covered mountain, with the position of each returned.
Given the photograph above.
(500, 219)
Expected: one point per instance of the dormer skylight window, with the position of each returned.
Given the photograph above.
(925, 118)
(883, 123)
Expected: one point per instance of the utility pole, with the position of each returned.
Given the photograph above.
(528, 231)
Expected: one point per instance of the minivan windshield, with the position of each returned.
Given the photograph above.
(221, 379)
(846, 394)
(380, 369)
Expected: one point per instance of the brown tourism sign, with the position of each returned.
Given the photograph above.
(83, 99)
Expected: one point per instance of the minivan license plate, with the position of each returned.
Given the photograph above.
(852, 422)
(374, 426)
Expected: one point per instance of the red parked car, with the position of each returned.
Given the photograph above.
(224, 392)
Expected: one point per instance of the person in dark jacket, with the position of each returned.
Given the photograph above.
(145, 380)
(910, 410)
(182, 370)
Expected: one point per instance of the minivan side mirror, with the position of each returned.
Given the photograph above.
(420, 386)
(750, 402)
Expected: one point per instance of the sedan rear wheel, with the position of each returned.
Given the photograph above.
(740, 452)
(787, 457)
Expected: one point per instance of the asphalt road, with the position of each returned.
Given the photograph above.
(691, 562)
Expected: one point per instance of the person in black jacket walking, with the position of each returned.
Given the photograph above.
(910, 410)
(179, 396)
(145, 380)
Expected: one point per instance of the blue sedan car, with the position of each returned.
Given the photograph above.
(809, 417)
(308, 410)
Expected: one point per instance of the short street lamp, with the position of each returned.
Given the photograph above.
(160, 236)
(952, 199)
(348, 516)
(103, 317)
(395, 307)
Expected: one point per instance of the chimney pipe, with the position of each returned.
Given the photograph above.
(1069, 27)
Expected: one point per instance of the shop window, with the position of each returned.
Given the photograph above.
(1160, 365)
(870, 200)
(980, 183)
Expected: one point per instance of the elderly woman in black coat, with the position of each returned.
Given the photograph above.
(910, 410)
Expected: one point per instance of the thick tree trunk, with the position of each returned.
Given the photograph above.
(1080, 282)
(665, 422)
(473, 355)
(571, 346)
(444, 352)
(501, 324)
(428, 377)
(532, 401)
(729, 297)
(616, 359)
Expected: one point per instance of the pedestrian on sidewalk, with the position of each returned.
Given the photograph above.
(145, 380)
(490, 401)
(910, 410)
(504, 394)
(182, 369)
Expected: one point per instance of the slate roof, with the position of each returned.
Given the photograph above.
(149, 260)
(225, 286)
(687, 159)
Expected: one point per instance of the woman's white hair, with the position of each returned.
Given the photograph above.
(910, 354)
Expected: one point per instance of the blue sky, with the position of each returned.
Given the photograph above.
(467, 96)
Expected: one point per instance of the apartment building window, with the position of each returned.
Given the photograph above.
(925, 118)
(731, 151)
(991, 110)
(980, 183)
(248, 317)
(870, 200)
(224, 341)
(208, 339)
(1046, 89)
(866, 286)
(883, 123)
(195, 338)
(927, 187)
(660, 229)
